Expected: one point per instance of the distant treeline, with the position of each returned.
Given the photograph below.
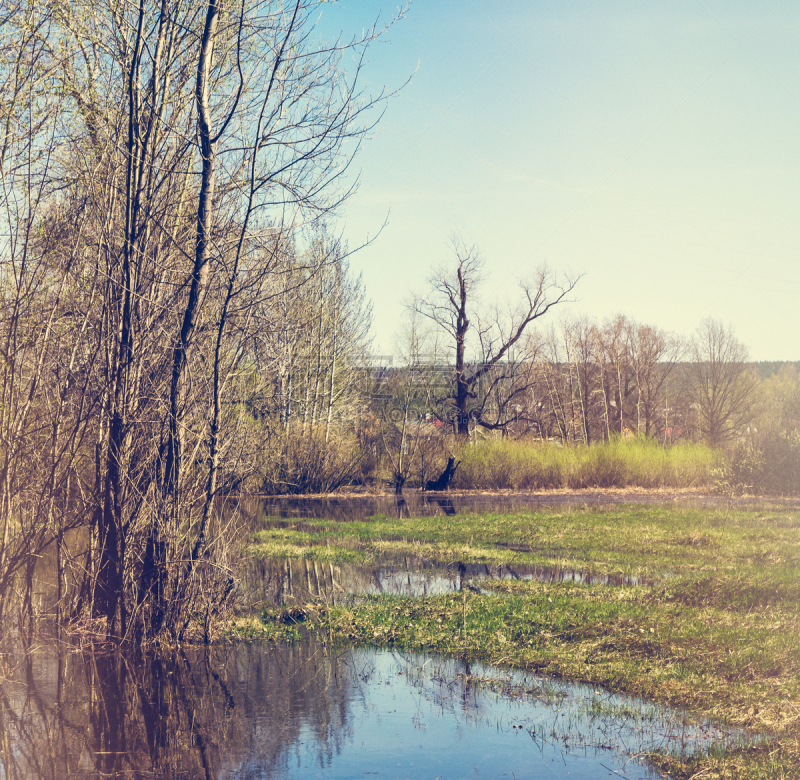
(576, 384)
(767, 368)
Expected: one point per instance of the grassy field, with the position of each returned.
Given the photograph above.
(716, 630)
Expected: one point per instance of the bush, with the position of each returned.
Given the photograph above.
(770, 467)
(297, 463)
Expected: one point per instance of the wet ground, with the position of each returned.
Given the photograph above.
(254, 711)
(288, 582)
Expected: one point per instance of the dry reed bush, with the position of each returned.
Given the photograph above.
(295, 463)
(637, 462)
(425, 455)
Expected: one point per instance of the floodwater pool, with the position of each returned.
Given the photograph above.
(314, 711)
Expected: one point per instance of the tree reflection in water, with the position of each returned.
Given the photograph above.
(282, 581)
(196, 713)
(259, 711)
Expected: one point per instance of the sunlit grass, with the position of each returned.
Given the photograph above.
(287, 543)
(636, 462)
(640, 541)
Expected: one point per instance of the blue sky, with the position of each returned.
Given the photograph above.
(653, 147)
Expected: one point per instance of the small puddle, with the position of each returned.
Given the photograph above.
(309, 711)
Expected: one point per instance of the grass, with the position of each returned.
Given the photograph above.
(717, 630)
(635, 462)
(642, 541)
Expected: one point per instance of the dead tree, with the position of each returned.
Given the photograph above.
(483, 390)
(444, 479)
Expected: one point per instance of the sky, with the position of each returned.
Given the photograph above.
(651, 147)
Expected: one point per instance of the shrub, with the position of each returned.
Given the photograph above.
(297, 463)
(773, 466)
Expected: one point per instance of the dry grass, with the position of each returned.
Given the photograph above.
(636, 462)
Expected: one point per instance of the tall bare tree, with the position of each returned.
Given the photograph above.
(653, 356)
(485, 387)
(724, 389)
(186, 145)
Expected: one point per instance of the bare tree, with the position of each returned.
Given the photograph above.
(307, 381)
(186, 145)
(653, 356)
(409, 430)
(46, 350)
(597, 381)
(580, 350)
(619, 382)
(557, 418)
(724, 389)
(484, 388)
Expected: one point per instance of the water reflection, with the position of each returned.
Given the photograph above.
(414, 503)
(446, 505)
(290, 581)
(306, 711)
(210, 713)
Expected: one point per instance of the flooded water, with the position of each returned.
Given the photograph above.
(258, 712)
(292, 581)
(415, 503)
(309, 711)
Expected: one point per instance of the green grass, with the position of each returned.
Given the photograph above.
(643, 541)
(636, 462)
(717, 631)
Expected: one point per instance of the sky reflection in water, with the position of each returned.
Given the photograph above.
(307, 711)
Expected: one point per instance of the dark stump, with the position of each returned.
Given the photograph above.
(444, 478)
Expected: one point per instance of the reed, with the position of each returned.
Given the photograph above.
(637, 462)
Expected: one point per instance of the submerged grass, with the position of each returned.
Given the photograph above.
(718, 631)
(635, 462)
